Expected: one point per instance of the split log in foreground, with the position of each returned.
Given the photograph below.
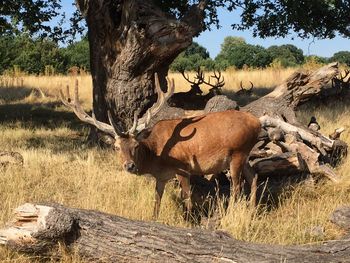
(96, 236)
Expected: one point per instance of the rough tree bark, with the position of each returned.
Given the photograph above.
(97, 236)
(130, 41)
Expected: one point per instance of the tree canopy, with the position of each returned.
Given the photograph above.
(288, 55)
(35, 55)
(342, 57)
(318, 18)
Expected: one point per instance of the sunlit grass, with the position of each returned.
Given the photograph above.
(61, 167)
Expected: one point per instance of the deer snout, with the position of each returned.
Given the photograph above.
(130, 167)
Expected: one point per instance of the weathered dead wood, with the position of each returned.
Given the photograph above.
(341, 217)
(220, 103)
(290, 163)
(313, 148)
(296, 90)
(97, 236)
(316, 139)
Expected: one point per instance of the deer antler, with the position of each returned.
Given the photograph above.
(243, 90)
(199, 77)
(83, 116)
(159, 104)
(113, 128)
(219, 82)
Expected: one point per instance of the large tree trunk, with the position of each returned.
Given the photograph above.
(97, 236)
(130, 41)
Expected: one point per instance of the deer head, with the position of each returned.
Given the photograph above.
(198, 80)
(244, 91)
(129, 142)
(216, 87)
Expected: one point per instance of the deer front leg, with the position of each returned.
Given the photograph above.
(160, 185)
(185, 193)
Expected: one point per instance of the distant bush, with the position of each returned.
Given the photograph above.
(287, 55)
(193, 57)
(236, 52)
(342, 57)
(41, 56)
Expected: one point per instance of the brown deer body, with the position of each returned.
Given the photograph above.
(200, 145)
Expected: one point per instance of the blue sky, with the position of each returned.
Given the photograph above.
(213, 39)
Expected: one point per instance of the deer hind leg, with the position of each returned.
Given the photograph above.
(236, 167)
(185, 193)
(252, 178)
(160, 185)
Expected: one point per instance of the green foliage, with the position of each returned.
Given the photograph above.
(193, 57)
(8, 52)
(342, 57)
(78, 54)
(36, 56)
(29, 16)
(196, 49)
(236, 52)
(288, 55)
(318, 18)
(31, 55)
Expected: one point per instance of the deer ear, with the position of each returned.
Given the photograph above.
(142, 135)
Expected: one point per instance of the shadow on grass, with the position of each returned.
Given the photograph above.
(270, 193)
(11, 94)
(38, 115)
(47, 116)
(244, 99)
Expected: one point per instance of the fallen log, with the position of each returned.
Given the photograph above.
(299, 88)
(318, 140)
(285, 163)
(100, 237)
(313, 149)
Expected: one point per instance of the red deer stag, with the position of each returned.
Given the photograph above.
(215, 88)
(187, 100)
(244, 91)
(201, 145)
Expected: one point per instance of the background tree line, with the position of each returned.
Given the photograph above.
(36, 56)
(44, 56)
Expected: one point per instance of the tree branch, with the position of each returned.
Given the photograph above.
(195, 17)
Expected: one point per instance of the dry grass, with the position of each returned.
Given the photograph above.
(60, 167)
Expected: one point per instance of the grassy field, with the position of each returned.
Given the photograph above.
(59, 166)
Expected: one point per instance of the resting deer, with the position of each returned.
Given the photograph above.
(244, 91)
(201, 145)
(186, 100)
(215, 88)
